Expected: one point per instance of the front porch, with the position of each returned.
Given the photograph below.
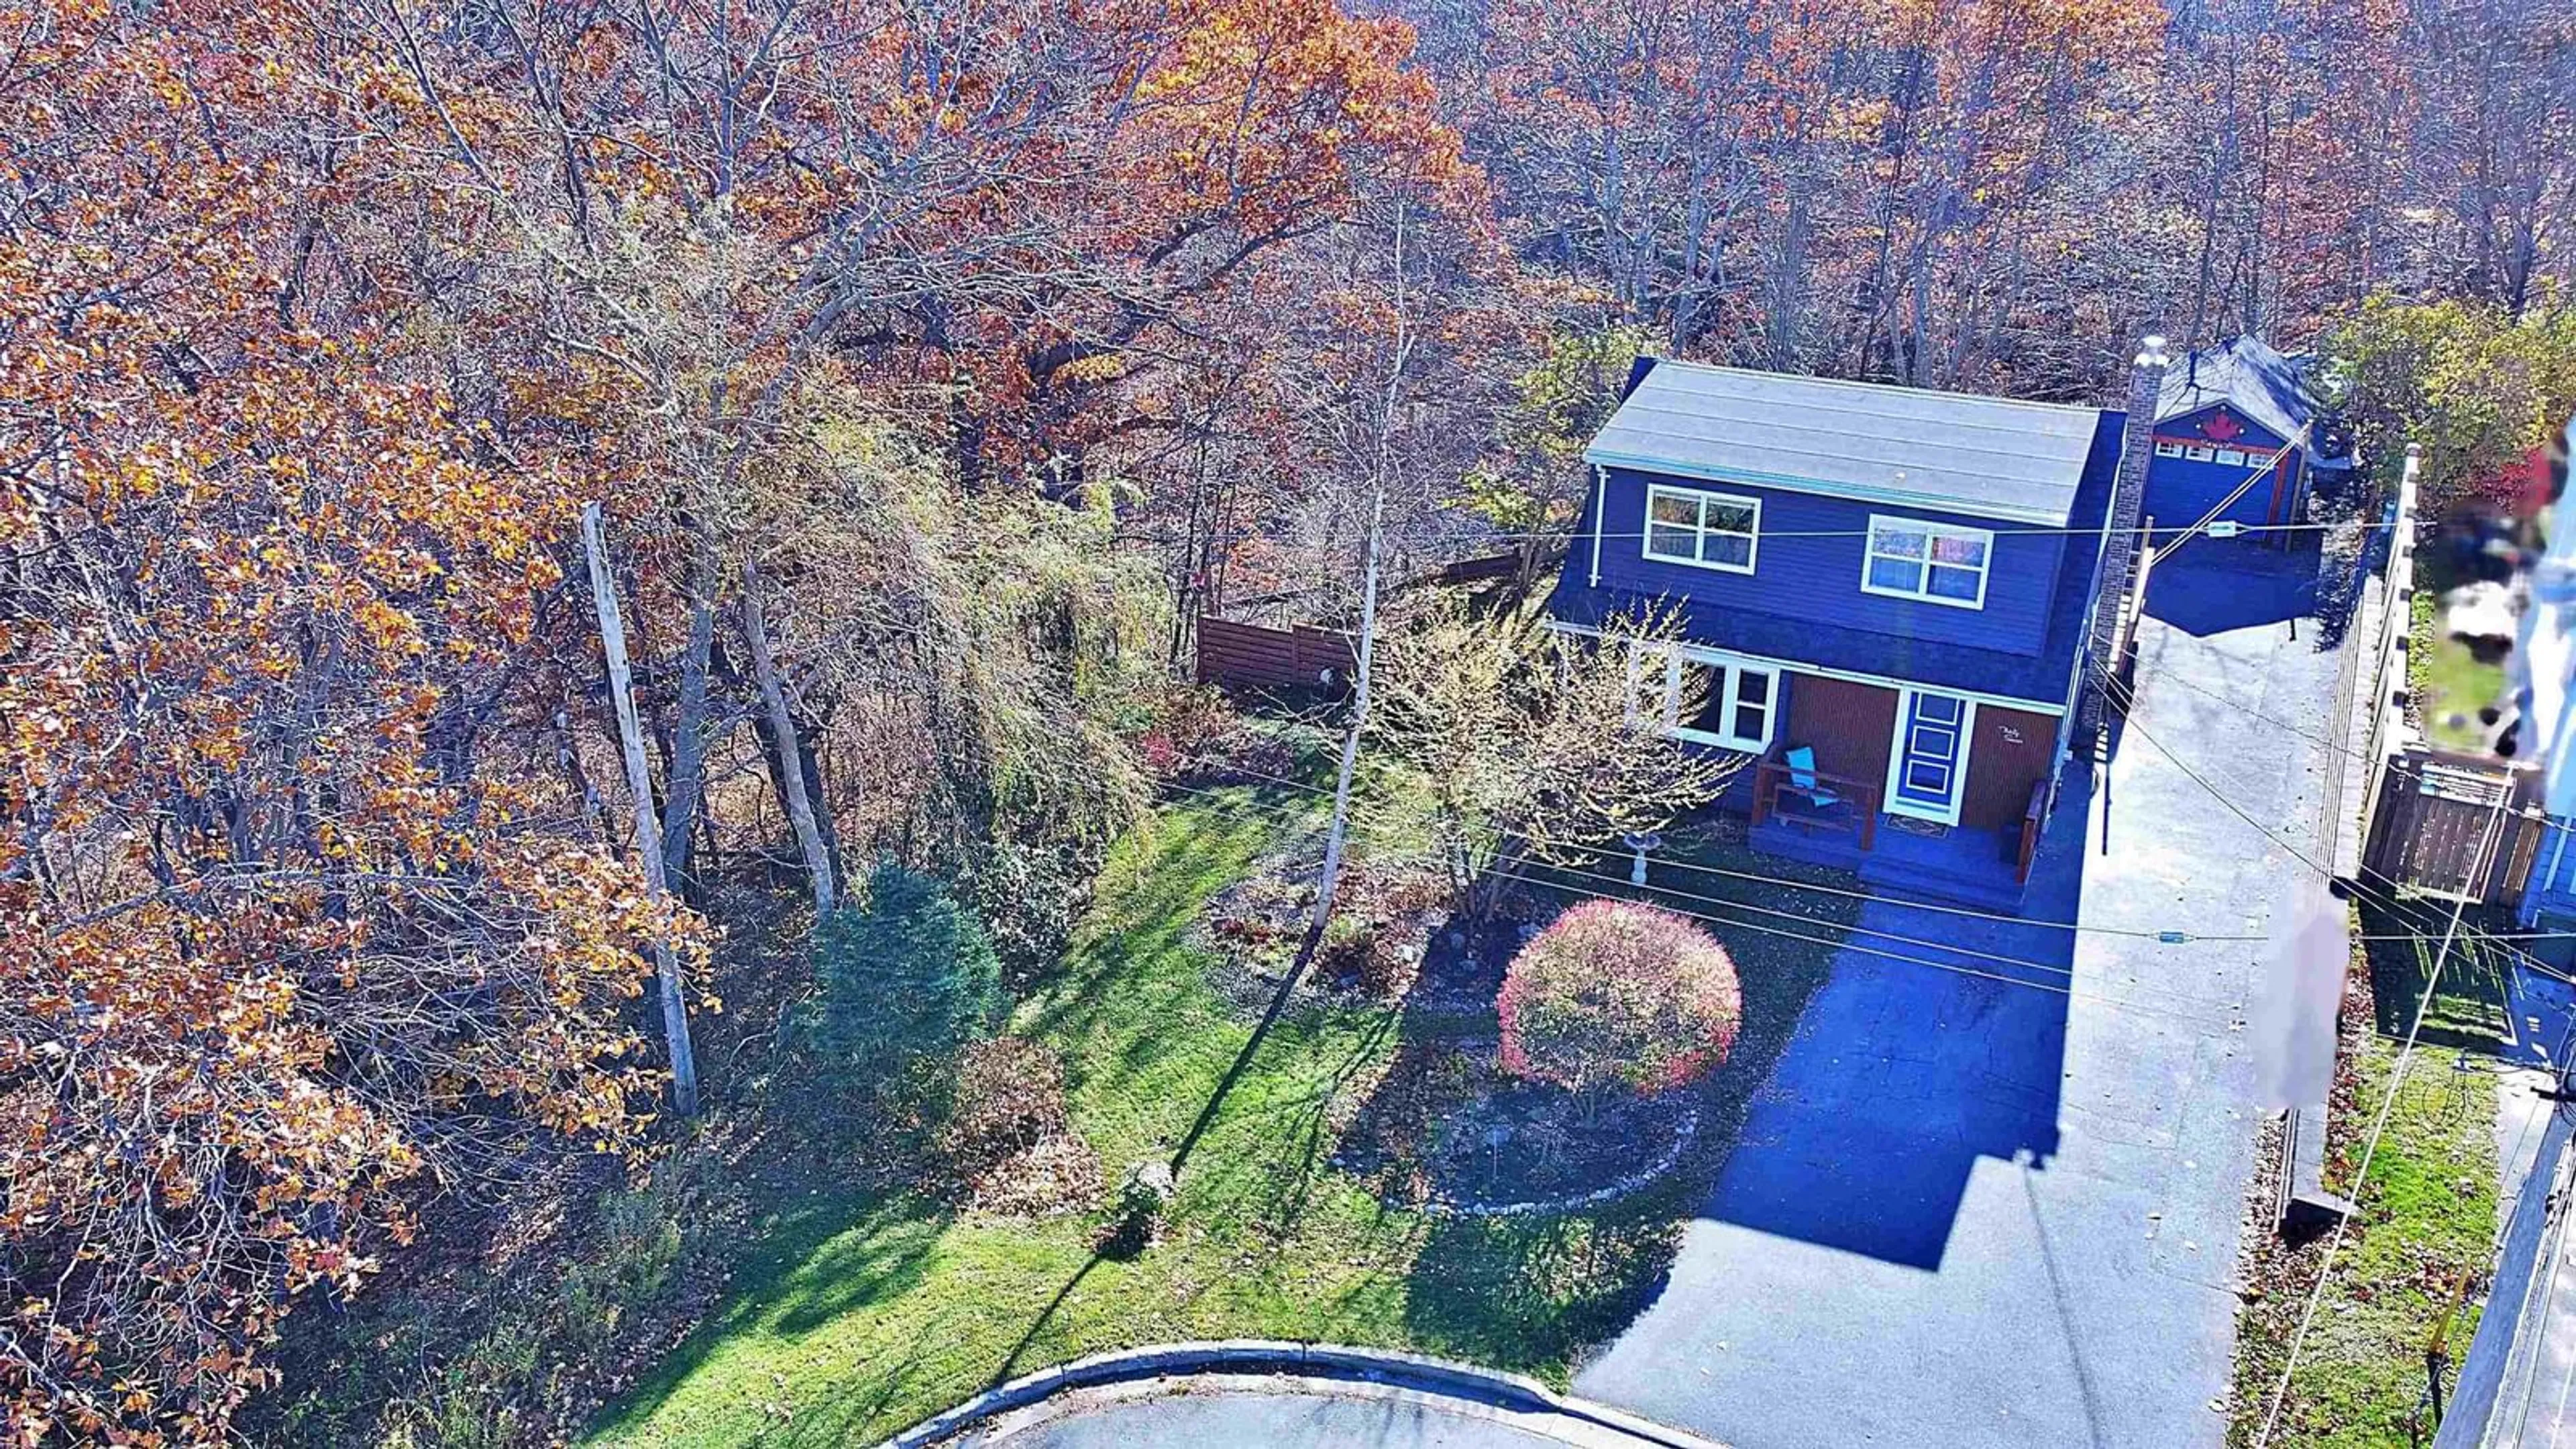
(1839, 820)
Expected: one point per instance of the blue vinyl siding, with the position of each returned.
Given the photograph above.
(2552, 886)
(1817, 579)
(2182, 491)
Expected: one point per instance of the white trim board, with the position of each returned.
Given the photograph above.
(1883, 681)
(1950, 503)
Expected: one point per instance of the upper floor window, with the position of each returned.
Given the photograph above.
(1712, 530)
(1935, 562)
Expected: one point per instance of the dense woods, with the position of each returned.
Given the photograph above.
(935, 363)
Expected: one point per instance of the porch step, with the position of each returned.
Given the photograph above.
(1816, 847)
(1954, 871)
(1904, 880)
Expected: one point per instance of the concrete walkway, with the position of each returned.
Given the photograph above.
(1976, 1212)
(1265, 1392)
(2514, 1383)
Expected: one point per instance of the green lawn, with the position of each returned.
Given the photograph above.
(855, 1315)
(2428, 1214)
(2450, 686)
(2471, 1007)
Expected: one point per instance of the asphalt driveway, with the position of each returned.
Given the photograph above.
(1978, 1212)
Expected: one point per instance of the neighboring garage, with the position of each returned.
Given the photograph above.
(2240, 412)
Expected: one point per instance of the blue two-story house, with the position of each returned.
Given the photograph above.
(1885, 595)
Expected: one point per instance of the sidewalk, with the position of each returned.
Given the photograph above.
(2514, 1383)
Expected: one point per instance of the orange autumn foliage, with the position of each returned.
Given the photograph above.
(319, 326)
(284, 920)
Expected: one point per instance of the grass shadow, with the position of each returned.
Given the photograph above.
(812, 1266)
(2473, 1006)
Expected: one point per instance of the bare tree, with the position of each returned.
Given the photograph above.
(1510, 742)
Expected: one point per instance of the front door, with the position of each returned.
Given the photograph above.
(1928, 761)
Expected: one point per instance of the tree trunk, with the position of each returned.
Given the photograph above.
(687, 787)
(789, 760)
(1382, 466)
(1330, 880)
(593, 811)
(648, 834)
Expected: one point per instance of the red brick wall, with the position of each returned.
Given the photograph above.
(1848, 725)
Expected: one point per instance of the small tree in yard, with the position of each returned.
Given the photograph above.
(1616, 994)
(908, 978)
(1510, 742)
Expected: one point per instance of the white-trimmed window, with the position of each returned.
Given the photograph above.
(2200, 452)
(2168, 450)
(1708, 699)
(2233, 457)
(1708, 530)
(1937, 562)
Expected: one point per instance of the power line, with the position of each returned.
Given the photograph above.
(2177, 534)
(2169, 938)
(1722, 903)
(2253, 475)
(2161, 937)
(2126, 696)
(2418, 776)
(2370, 1146)
(2067, 990)
(2397, 1075)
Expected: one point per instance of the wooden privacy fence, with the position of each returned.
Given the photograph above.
(2457, 827)
(2398, 812)
(1254, 656)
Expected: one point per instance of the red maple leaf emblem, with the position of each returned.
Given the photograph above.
(2222, 429)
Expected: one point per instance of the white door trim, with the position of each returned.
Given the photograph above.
(1894, 803)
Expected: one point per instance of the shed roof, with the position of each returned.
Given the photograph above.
(1991, 457)
(2268, 387)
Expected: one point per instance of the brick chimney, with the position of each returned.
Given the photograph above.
(2120, 560)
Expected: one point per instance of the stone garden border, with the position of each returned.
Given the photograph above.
(1684, 1134)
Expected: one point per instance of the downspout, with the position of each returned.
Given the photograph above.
(1600, 505)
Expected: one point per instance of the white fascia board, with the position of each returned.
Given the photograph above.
(1857, 493)
(1794, 666)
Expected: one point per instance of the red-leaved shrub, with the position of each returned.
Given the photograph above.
(1615, 993)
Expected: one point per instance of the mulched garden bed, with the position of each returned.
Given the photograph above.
(1373, 951)
(1447, 1131)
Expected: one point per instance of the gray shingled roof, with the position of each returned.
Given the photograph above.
(2266, 386)
(1907, 447)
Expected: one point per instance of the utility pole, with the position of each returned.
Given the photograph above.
(648, 830)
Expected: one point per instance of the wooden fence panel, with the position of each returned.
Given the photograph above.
(1236, 655)
(2436, 828)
